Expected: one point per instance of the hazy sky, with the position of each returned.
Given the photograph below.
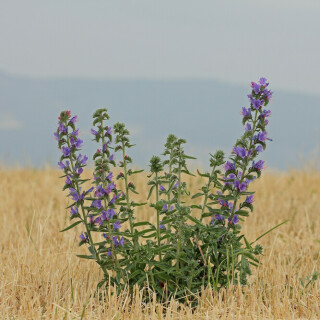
(233, 41)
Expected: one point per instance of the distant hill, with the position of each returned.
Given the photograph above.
(204, 112)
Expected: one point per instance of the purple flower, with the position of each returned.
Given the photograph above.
(111, 158)
(109, 253)
(82, 159)
(113, 200)
(94, 132)
(111, 213)
(104, 216)
(171, 208)
(117, 225)
(267, 93)
(234, 220)
(229, 166)
(162, 188)
(219, 217)
(240, 186)
(249, 199)
(75, 133)
(66, 151)
(74, 194)
(262, 136)
(96, 204)
(74, 119)
(230, 206)
(259, 148)
(84, 237)
(255, 87)
(249, 181)
(105, 236)
(77, 143)
(68, 181)
(257, 104)
(240, 152)
(176, 185)
(121, 241)
(109, 176)
(99, 191)
(62, 128)
(56, 135)
(263, 82)
(109, 130)
(110, 187)
(265, 113)
(91, 218)
(248, 127)
(223, 203)
(258, 165)
(99, 221)
(78, 171)
(162, 226)
(229, 177)
(117, 242)
(74, 211)
(165, 207)
(90, 190)
(246, 113)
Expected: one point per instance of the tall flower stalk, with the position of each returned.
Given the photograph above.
(72, 164)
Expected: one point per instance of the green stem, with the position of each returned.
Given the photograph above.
(158, 215)
(84, 217)
(114, 255)
(169, 193)
(127, 193)
(245, 168)
(206, 194)
(179, 202)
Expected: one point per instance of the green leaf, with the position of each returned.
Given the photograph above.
(199, 194)
(243, 213)
(138, 171)
(135, 273)
(195, 220)
(188, 157)
(92, 251)
(162, 248)
(141, 233)
(71, 226)
(250, 256)
(206, 175)
(150, 192)
(277, 226)
(143, 223)
(150, 235)
(138, 204)
(187, 172)
(83, 256)
(165, 237)
(206, 214)
(247, 243)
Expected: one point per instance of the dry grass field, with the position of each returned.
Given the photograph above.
(41, 278)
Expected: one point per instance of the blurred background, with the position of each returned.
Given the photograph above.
(181, 67)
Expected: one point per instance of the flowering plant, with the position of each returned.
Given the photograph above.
(185, 250)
